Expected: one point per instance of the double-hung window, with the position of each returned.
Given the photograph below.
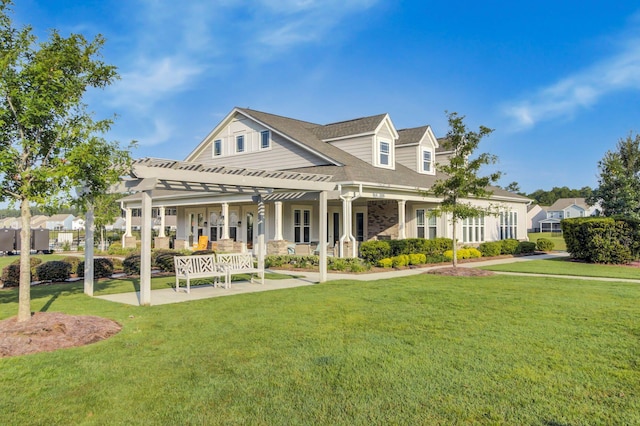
(427, 162)
(265, 139)
(426, 224)
(301, 225)
(240, 143)
(508, 225)
(473, 229)
(217, 147)
(384, 153)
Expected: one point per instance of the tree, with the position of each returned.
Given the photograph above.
(462, 180)
(106, 210)
(513, 187)
(49, 143)
(619, 182)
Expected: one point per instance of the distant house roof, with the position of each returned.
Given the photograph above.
(563, 203)
(61, 217)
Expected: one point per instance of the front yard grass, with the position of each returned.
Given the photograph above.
(564, 266)
(423, 349)
(558, 240)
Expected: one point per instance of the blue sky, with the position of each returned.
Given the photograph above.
(559, 81)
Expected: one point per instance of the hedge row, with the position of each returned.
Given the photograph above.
(373, 251)
(602, 240)
(55, 270)
(333, 263)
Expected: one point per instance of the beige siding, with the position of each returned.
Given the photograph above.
(407, 156)
(281, 155)
(360, 147)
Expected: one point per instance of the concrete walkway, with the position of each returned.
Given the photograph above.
(298, 279)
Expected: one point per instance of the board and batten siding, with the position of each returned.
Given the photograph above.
(281, 155)
(361, 147)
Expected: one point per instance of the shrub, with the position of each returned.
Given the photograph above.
(417, 259)
(358, 266)
(526, 247)
(11, 273)
(102, 268)
(337, 264)
(474, 253)
(372, 251)
(73, 262)
(387, 262)
(490, 249)
(462, 253)
(400, 260)
(544, 244)
(201, 252)
(163, 259)
(54, 270)
(131, 264)
(509, 246)
(601, 240)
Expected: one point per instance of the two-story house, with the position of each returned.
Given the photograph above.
(565, 208)
(380, 178)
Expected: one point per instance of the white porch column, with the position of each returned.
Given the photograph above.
(261, 245)
(145, 250)
(161, 232)
(225, 221)
(346, 224)
(402, 234)
(278, 220)
(89, 228)
(127, 218)
(322, 246)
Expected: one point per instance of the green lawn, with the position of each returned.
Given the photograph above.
(417, 350)
(564, 266)
(557, 239)
(6, 260)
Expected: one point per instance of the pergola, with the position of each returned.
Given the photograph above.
(183, 178)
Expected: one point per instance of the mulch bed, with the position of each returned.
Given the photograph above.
(48, 331)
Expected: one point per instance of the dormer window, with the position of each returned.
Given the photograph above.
(217, 147)
(265, 139)
(384, 153)
(240, 143)
(427, 161)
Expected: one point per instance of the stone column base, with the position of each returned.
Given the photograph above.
(277, 247)
(227, 246)
(130, 242)
(346, 251)
(161, 242)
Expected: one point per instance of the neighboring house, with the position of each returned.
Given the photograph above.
(39, 221)
(60, 222)
(535, 213)
(380, 177)
(118, 225)
(10, 222)
(565, 208)
(77, 224)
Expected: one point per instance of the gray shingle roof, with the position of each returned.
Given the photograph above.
(356, 126)
(563, 203)
(346, 167)
(411, 136)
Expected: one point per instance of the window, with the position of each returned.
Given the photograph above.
(217, 147)
(427, 166)
(301, 225)
(473, 230)
(240, 143)
(508, 225)
(265, 139)
(384, 153)
(426, 224)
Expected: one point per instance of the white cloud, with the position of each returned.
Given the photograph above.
(162, 132)
(565, 98)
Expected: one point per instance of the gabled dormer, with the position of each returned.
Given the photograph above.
(416, 149)
(371, 139)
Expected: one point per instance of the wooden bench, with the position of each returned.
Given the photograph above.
(199, 266)
(239, 263)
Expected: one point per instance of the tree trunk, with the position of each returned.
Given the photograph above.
(24, 298)
(454, 260)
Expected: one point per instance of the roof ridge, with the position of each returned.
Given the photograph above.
(355, 119)
(279, 116)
